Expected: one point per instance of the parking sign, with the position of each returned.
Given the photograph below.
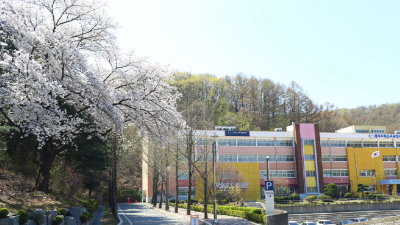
(269, 197)
(269, 185)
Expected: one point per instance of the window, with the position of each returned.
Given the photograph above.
(279, 173)
(182, 175)
(261, 158)
(367, 173)
(308, 142)
(228, 175)
(309, 157)
(324, 143)
(204, 142)
(327, 173)
(390, 172)
(326, 158)
(379, 131)
(227, 142)
(285, 158)
(246, 142)
(371, 188)
(354, 144)
(369, 144)
(339, 158)
(340, 173)
(386, 144)
(227, 158)
(184, 191)
(310, 173)
(263, 142)
(247, 158)
(284, 143)
(338, 143)
(362, 131)
(389, 158)
(311, 189)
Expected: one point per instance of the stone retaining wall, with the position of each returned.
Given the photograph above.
(280, 217)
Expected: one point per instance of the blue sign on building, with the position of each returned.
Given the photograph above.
(269, 185)
(391, 181)
(237, 133)
(384, 135)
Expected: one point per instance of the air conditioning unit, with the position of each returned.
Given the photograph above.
(218, 128)
(397, 132)
(232, 128)
(278, 129)
(225, 128)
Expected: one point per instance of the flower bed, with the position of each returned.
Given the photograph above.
(248, 213)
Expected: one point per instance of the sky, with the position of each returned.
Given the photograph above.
(343, 52)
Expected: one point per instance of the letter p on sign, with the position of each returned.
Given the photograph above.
(269, 185)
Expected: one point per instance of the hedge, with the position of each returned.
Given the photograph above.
(249, 213)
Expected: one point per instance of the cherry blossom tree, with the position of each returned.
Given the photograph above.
(64, 80)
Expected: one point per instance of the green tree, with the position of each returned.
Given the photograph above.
(331, 190)
(361, 188)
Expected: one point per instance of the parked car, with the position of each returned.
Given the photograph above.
(341, 222)
(293, 223)
(324, 222)
(356, 220)
(308, 223)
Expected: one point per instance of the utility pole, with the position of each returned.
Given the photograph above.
(214, 152)
(267, 163)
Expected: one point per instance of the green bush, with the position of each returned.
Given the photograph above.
(294, 196)
(311, 198)
(61, 212)
(84, 218)
(23, 216)
(172, 201)
(86, 214)
(348, 195)
(58, 220)
(4, 213)
(325, 198)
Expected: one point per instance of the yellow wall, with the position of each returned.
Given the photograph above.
(310, 165)
(311, 182)
(308, 150)
(251, 173)
(361, 159)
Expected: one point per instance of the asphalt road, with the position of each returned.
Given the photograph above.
(138, 213)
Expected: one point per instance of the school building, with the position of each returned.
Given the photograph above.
(306, 158)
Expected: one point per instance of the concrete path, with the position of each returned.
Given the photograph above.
(139, 213)
(99, 216)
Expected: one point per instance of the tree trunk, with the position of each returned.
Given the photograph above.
(154, 198)
(90, 193)
(161, 198)
(189, 189)
(48, 157)
(176, 182)
(167, 193)
(205, 196)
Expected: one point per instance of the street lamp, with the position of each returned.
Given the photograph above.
(167, 190)
(214, 153)
(267, 162)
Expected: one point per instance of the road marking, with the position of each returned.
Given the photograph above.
(124, 215)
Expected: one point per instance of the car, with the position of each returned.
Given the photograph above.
(355, 220)
(342, 222)
(293, 223)
(324, 222)
(308, 223)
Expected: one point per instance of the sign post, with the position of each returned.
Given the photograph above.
(269, 198)
(194, 220)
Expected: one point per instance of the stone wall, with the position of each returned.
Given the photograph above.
(280, 217)
(340, 208)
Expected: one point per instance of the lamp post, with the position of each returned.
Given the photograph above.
(267, 162)
(214, 153)
(167, 190)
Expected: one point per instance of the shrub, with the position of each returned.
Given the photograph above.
(348, 195)
(294, 196)
(84, 218)
(172, 201)
(4, 213)
(86, 214)
(61, 212)
(201, 201)
(58, 220)
(23, 216)
(325, 198)
(38, 217)
(311, 198)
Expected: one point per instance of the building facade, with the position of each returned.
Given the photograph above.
(307, 159)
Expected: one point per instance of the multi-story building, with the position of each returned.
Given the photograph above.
(307, 159)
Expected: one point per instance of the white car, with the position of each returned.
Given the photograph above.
(293, 223)
(308, 223)
(324, 222)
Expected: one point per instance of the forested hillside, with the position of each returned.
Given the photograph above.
(250, 103)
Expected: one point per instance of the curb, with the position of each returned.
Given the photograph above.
(177, 215)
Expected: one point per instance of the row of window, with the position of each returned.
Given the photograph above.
(254, 158)
(334, 158)
(312, 190)
(366, 144)
(279, 173)
(371, 173)
(184, 191)
(254, 142)
(336, 173)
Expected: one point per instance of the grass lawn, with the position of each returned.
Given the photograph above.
(108, 217)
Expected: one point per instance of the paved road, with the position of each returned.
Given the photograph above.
(138, 213)
(99, 216)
